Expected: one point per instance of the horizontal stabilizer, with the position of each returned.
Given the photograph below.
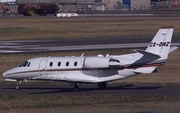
(145, 70)
(148, 54)
(171, 49)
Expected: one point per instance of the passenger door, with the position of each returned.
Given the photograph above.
(43, 68)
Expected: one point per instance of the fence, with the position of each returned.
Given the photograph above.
(93, 7)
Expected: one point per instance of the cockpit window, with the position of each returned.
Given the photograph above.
(28, 64)
(24, 64)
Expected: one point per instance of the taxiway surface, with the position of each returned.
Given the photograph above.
(77, 44)
(90, 89)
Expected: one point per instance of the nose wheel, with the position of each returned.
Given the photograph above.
(18, 85)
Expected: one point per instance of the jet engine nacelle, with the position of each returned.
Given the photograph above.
(100, 62)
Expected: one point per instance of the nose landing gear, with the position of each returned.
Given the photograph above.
(18, 85)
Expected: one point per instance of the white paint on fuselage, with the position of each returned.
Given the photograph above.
(67, 71)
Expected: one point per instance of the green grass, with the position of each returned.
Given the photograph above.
(57, 28)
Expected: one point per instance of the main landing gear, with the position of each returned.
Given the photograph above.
(74, 86)
(102, 85)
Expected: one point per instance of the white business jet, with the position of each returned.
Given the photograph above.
(97, 69)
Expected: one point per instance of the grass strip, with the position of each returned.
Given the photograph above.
(9, 102)
(57, 28)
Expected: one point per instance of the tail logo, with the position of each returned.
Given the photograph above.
(161, 44)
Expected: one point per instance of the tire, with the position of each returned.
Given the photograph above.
(102, 85)
(17, 87)
(76, 88)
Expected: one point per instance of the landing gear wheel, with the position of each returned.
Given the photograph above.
(102, 85)
(76, 88)
(17, 87)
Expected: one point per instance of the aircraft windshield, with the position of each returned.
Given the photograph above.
(24, 64)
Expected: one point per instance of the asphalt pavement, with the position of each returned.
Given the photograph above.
(90, 89)
(77, 44)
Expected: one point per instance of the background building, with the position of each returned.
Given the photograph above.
(96, 6)
(2, 1)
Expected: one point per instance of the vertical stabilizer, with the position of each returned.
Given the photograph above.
(161, 42)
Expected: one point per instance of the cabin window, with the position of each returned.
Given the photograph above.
(51, 63)
(59, 63)
(67, 63)
(75, 63)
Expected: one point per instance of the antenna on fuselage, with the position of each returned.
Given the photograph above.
(82, 55)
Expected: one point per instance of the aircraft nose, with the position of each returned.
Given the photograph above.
(4, 75)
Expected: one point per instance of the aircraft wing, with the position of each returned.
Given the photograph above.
(145, 70)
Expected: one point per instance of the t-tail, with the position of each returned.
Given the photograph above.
(157, 51)
(160, 45)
